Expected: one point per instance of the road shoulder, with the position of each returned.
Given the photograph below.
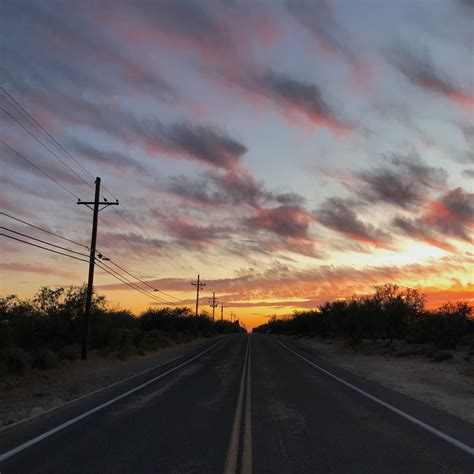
(447, 386)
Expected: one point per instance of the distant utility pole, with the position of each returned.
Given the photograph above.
(222, 311)
(213, 303)
(199, 286)
(87, 311)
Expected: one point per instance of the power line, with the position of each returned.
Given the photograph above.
(133, 222)
(43, 241)
(41, 247)
(102, 265)
(129, 283)
(133, 276)
(44, 230)
(46, 147)
(142, 281)
(40, 170)
(18, 106)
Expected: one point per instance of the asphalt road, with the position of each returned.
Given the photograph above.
(242, 404)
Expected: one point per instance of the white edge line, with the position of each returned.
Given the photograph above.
(416, 421)
(8, 454)
(94, 392)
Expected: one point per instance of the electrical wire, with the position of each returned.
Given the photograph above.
(43, 241)
(140, 280)
(44, 248)
(20, 108)
(44, 230)
(133, 222)
(39, 169)
(127, 282)
(101, 265)
(46, 147)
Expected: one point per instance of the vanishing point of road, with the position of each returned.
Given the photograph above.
(241, 404)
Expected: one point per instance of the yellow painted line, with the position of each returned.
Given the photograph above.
(230, 466)
(247, 451)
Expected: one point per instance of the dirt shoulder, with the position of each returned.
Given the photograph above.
(447, 385)
(39, 391)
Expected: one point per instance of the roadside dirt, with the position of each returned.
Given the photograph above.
(447, 385)
(39, 391)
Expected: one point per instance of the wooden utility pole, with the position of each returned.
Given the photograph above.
(199, 286)
(222, 311)
(90, 282)
(213, 303)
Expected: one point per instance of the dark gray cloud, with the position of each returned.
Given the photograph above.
(205, 143)
(119, 163)
(285, 221)
(294, 96)
(468, 173)
(336, 214)
(317, 17)
(44, 35)
(186, 20)
(231, 188)
(404, 184)
(452, 215)
(417, 229)
(420, 70)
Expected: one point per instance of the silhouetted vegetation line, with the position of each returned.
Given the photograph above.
(40, 332)
(390, 313)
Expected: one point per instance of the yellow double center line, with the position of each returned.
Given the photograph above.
(244, 396)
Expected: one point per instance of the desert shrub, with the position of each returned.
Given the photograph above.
(409, 351)
(125, 351)
(52, 320)
(439, 356)
(45, 359)
(391, 313)
(71, 352)
(16, 360)
(156, 340)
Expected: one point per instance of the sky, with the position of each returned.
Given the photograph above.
(290, 153)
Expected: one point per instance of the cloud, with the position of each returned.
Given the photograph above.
(415, 229)
(421, 71)
(404, 184)
(116, 161)
(192, 234)
(468, 173)
(204, 143)
(335, 214)
(49, 32)
(40, 269)
(296, 99)
(451, 216)
(218, 31)
(317, 17)
(229, 188)
(285, 220)
(281, 283)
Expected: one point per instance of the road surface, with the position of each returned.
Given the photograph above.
(242, 404)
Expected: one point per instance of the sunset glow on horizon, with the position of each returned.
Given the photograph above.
(283, 150)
